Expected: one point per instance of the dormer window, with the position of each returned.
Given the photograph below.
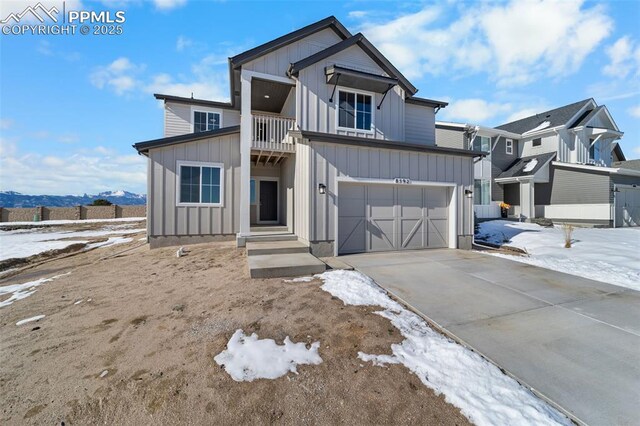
(509, 147)
(594, 151)
(205, 120)
(537, 142)
(355, 111)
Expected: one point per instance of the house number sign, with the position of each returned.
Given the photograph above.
(403, 181)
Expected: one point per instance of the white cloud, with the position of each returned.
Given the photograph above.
(6, 123)
(635, 111)
(183, 43)
(169, 4)
(208, 79)
(120, 76)
(474, 111)
(513, 43)
(80, 172)
(624, 56)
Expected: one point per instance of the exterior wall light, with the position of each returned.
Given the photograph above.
(468, 193)
(322, 188)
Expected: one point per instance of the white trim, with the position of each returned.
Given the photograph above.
(336, 102)
(453, 203)
(200, 164)
(610, 170)
(270, 77)
(508, 147)
(196, 108)
(488, 131)
(259, 179)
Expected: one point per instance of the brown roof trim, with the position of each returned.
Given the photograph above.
(144, 147)
(329, 22)
(385, 144)
(193, 101)
(368, 48)
(426, 102)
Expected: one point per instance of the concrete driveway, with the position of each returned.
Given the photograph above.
(574, 341)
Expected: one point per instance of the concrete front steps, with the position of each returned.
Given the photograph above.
(281, 259)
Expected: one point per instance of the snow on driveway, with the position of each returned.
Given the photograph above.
(602, 254)
(483, 393)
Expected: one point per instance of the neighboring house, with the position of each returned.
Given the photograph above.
(323, 137)
(564, 164)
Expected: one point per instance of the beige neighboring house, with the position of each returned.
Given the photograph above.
(565, 164)
(323, 141)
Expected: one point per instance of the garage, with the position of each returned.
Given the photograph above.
(627, 205)
(385, 217)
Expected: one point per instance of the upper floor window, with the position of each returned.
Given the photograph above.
(536, 142)
(205, 120)
(355, 111)
(509, 146)
(200, 183)
(481, 143)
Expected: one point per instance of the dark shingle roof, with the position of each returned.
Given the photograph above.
(556, 117)
(517, 168)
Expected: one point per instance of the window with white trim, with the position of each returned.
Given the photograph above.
(355, 110)
(205, 120)
(594, 151)
(200, 184)
(509, 146)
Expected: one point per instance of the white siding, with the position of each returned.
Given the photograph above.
(278, 61)
(330, 161)
(549, 144)
(315, 112)
(167, 219)
(419, 124)
(178, 117)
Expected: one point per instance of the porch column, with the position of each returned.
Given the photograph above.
(245, 156)
(527, 199)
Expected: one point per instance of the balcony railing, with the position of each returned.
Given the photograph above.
(269, 132)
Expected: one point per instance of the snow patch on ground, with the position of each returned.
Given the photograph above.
(483, 393)
(248, 358)
(608, 255)
(70, 222)
(28, 242)
(36, 318)
(22, 291)
(300, 280)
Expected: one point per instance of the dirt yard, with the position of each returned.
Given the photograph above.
(154, 322)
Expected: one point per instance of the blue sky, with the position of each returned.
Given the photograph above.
(72, 105)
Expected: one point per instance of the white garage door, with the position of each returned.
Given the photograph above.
(386, 217)
(628, 207)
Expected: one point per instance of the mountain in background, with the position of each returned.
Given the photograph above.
(16, 199)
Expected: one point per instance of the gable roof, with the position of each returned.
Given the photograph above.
(517, 168)
(556, 117)
(144, 147)
(251, 54)
(360, 40)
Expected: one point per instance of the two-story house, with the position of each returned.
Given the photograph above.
(557, 164)
(324, 139)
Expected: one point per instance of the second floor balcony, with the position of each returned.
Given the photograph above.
(269, 132)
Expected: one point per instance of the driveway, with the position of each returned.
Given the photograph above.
(574, 341)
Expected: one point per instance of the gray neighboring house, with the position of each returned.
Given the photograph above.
(565, 164)
(323, 141)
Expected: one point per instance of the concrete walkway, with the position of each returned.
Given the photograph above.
(574, 341)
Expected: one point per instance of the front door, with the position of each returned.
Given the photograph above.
(268, 201)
